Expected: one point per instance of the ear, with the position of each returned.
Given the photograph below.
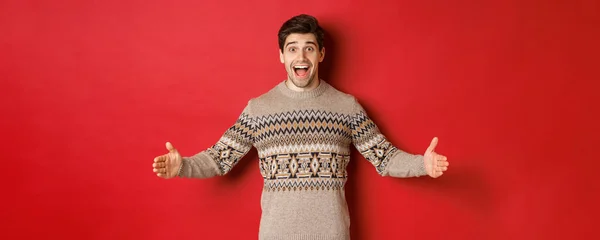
(322, 53)
(280, 55)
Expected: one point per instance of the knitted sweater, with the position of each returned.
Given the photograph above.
(303, 142)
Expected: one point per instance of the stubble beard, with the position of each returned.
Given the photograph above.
(301, 83)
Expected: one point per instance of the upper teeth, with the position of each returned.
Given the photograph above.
(301, 67)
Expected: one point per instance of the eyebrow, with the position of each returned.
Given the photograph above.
(307, 43)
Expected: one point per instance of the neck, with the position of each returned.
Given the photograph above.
(313, 85)
(316, 92)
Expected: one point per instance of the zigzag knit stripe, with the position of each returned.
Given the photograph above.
(303, 115)
(306, 139)
(304, 184)
(366, 143)
(301, 122)
(275, 131)
(242, 129)
(363, 126)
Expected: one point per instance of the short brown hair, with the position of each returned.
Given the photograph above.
(302, 23)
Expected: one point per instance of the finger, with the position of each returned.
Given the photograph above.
(159, 165)
(443, 163)
(439, 163)
(160, 170)
(170, 147)
(161, 158)
(441, 169)
(433, 144)
(161, 175)
(441, 158)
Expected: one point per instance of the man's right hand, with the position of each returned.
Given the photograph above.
(167, 166)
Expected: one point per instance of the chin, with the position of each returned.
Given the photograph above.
(302, 83)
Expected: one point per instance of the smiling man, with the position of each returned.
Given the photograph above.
(302, 129)
(301, 55)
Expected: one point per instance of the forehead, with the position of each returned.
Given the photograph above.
(301, 38)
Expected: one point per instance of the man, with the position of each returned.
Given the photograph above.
(302, 129)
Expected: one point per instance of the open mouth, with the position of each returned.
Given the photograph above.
(301, 70)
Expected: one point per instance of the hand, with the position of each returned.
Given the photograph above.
(435, 164)
(167, 166)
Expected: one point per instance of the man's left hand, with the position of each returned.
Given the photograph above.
(435, 164)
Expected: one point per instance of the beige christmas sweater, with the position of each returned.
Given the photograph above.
(303, 142)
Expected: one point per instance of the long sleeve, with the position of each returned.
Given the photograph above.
(385, 157)
(220, 158)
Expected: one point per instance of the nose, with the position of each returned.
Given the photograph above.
(301, 56)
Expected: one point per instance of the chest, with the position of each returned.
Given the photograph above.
(302, 127)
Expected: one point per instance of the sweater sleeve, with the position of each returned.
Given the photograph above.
(220, 158)
(385, 157)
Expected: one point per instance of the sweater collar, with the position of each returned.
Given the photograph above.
(323, 86)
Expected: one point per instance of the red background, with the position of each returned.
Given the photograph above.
(92, 90)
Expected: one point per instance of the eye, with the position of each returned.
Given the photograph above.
(310, 49)
(292, 49)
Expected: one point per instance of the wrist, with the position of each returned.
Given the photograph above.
(180, 169)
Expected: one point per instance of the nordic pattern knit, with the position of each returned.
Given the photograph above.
(303, 142)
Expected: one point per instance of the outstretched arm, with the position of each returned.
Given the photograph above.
(386, 158)
(217, 160)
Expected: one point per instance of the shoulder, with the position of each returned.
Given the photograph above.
(346, 101)
(258, 102)
(266, 97)
(339, 94)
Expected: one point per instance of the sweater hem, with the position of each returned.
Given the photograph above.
(305, 237)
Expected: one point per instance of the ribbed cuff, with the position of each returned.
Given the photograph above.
(404, 165)
(200, 165)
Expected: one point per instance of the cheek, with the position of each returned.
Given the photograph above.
(289, 59)
(315, 58)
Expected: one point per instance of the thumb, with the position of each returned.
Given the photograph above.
(170, 147)
(433, 144)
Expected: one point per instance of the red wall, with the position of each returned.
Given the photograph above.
(91, 91)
